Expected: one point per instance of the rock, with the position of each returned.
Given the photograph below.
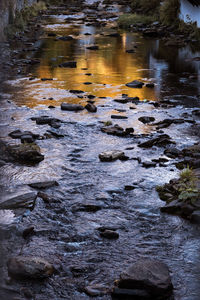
(119, 117)
(109, 234)
(149, 164)
(17, 134)
(19, 199)
(96, 290)
(91, 96)
(167, 122)
(28, 231)
(150, 85)
(146, 119)
(130, 294)
(55, 134)
(173, 152)
(95, 47)
(44, 184)
(150, 276)
(68, 64)
(29, 267)
(26, 153)
(88, 207)
(130, 51)
(66, 38)
(135, 84)
(117, 130)
(159, 141)
(51, 34)
(27, 138)
(111, 155)
(76, 91)
(195, 217)
(174, 207)
(46, 79)
(43, 120)
(129, 187)
(114, 34)
(71, 107)
(91, 107)
(87, 83)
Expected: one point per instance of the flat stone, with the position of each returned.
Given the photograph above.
(159, 141)
(149, 164)
(109, 234)
(29, 267)
(119, 117)
(174, 207)
(135, 84)
(44, 184)
(111, 155)
(146, 119)
(95, 47)
(27, 138)
(18, 199)
(68, 64)
(96, 290)
(76, 91)
(71, 107)
(150, 85)
(66, 38)
(130, 294)
(151, 276)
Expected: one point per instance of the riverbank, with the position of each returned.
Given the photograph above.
(88, 210)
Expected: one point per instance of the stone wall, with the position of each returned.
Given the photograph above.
(8, 10)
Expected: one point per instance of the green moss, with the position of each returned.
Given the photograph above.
(22, 17)
(127, 20)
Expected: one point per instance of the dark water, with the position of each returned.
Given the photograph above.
(65, 235)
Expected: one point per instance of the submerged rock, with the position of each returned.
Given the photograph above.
(159, 141)
(119, 117)
(95, 47)
(146, 119)
(109, 234)
(117, 130)
(150, 277)
(68, 64)
(44, 184)
(29, 267)
(91, 107)
(20, 199)
(71, 107)
(112, 155)
(135, 84)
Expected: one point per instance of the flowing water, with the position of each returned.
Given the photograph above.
(65, 233)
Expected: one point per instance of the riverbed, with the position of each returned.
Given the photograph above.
(92, 194)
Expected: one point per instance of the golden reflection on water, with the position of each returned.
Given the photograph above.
(111, 68)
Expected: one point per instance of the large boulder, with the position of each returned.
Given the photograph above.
(112, 155)
(148, 276)
(71, 107)
(29, 267)
(19, 199)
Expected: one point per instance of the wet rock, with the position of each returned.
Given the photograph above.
(95, 47)
(150, 85)
(17, 134)
(76, 91)
(91, 97)
(27, 293)
(195, 217)
(96, 290)
(91, 107)
(87, 207)
(46, 79)
(27, 138)
(159, 141)
(44, 197)
(114, 34)
(149, 276)
(149, 164)
(135, 84)
(117, 130)
(87, 83)
(130, 51)
(66, 38)
(146, 119)
(167, 122)
(119, 117)
(51, 106)
(55, 134)
(173, 152)
(26, 153)
(44, 184)
(130, 294)
(129, 187)
(28, 232)
(51, 34)
(174, 207)
(29, 267)
(23, 199)
(109, 234)
(111, 155)
(68, 64)
(43, 120)
(71, 107)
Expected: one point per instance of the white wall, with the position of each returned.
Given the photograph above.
(188, 10)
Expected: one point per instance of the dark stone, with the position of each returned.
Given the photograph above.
(112, 155)
(150, 85)
(146, 119)
(51, 34)
(109, 234)
(91, 96)
(174, 207)
(51, 106)
(173, 152)
(129, 187)
(93, 47)
(66, 38)
(150, 276)
(114, 34)
(27, 138)
(91, 107)
(149, 164)
(29, 267)
(46, 79)
(130, 51)
(43, 185)
(96, 290)
(159, 141)
(28, 231)
(135, 84)
(195, 217)
(71, 107)
(130, 294)
(21, 199)
(68, 64)
(76, 91)
(88, 207)
(118, 131)
(87, 83)
(55, 134)
(26, 153)
(118, 117)
(17, 134)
